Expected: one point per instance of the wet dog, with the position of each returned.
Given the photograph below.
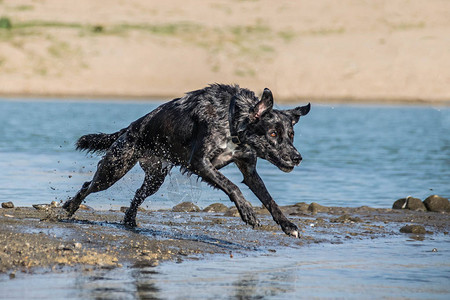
(201, 132)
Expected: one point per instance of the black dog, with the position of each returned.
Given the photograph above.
(201, 132)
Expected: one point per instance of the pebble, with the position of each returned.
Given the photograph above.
(7, 205)
(436, 203)
(125, 208)
(53, 204)
(42, 206)
(346, 219)
(62, 247)
(85, 207)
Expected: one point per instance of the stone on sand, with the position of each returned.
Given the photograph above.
(315, 208)
(410, 203)
(232, 212)
(437, 204)
(7, 205)
(415, 204)
(215, 208)
(186, 207)
(399, 204)
(417, 229)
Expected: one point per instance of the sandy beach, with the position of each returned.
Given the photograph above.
(394, 51)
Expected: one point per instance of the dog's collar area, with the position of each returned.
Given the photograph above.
(234, 136)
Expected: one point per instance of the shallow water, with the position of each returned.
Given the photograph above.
(393, 268)
(353, 156)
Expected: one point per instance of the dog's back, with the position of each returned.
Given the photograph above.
(173, 129)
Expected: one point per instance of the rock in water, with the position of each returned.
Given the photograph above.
(315, 208)
(415, 204)
(417, 229)
(216, 207)
(410, 203)
(186, 207)
(7, 205)
(302, 206)
(399, 204)
(232, 212)
(437, 204)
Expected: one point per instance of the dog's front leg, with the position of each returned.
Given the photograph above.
(211, 175)
(256, 185)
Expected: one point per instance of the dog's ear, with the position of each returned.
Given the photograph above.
(299, 111)
(263, 106)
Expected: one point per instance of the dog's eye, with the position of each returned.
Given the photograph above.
(291, 135)
(273, 134)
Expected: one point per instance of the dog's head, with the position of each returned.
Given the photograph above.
(270, 132)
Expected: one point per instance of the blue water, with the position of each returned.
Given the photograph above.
(392, 268)
(353, 155)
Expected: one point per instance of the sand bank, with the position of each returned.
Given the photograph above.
(394, 51)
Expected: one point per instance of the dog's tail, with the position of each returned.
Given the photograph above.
(98, 142)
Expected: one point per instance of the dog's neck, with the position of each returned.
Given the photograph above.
(231, 115)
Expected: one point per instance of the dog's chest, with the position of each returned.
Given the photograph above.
(228, 151)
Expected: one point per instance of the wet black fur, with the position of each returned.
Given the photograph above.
(195, 133)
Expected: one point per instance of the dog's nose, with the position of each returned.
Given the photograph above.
(296, 158)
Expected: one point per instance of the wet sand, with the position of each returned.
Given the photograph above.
(34, 240)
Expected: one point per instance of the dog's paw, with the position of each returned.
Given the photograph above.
(130, 223)
(291, 229)
(70, 207)
(249, 216)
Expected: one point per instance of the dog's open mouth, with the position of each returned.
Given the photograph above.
(280, 164)
(286, 169)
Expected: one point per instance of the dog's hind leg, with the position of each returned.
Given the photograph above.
(256, 185)
(72, 205)
(205, 169)
(155, 173)
(119, 159)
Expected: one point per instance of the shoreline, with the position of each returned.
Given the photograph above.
(401, 101)
(44, 240)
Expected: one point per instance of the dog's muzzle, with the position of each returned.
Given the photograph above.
(288, 162)
(296, 159)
